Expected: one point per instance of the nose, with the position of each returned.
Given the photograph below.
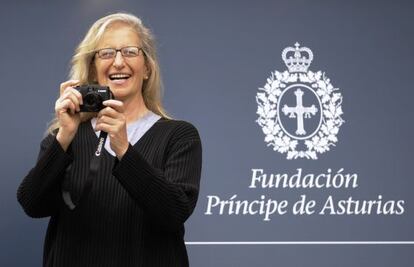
(119, 60)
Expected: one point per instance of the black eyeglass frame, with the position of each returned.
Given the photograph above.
(119, 50)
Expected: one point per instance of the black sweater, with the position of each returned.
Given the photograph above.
(135, 212)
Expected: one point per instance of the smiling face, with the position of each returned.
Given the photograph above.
(124, 75)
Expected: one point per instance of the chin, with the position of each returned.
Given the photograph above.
(119, 95)
(123, 94)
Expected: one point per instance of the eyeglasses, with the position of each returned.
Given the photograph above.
(128, 51)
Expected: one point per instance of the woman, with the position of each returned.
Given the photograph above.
(148, 178)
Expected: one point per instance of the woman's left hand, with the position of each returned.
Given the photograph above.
(112, 120)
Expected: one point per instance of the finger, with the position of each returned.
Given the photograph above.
(70, 90)
(103, 127)
(71, 107)
(107, 120)
(76, 93)
(115, 104)
(66, 84)
(62, 104)
(73, 98)
(65, 105)
(110, 112)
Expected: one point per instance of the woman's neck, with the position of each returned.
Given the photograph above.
(134, 109)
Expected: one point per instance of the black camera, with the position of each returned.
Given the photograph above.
(93, 95)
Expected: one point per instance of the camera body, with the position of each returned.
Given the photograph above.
(93, 95)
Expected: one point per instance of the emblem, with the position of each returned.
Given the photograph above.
(299, 110)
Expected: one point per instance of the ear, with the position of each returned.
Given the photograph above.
(147, 71)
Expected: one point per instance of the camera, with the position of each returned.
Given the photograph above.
(93, 95)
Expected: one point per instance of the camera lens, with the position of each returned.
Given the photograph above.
(92, 101)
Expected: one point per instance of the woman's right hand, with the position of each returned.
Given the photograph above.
(67, 112)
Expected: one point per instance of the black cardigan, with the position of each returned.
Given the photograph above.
(135, 212)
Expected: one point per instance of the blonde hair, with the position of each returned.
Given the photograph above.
(82, 68)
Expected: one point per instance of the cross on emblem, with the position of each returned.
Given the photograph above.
(299, 112)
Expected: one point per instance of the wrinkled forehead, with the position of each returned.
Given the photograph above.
(119, 33)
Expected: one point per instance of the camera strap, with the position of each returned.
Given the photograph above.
(93, 173)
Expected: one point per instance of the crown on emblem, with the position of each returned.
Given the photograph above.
(298, 62)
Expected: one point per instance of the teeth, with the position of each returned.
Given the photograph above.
(119, 76)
